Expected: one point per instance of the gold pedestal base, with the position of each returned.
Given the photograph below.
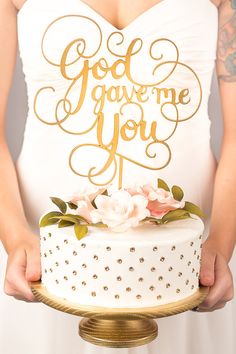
(118, 327)
(118, 333)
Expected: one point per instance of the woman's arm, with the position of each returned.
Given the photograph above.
(219, 246)
(18, 240)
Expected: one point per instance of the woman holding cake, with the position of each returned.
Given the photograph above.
(119, 88)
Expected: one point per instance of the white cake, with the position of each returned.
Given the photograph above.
(145, 266)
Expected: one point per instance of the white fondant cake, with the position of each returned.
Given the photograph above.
(144, 266)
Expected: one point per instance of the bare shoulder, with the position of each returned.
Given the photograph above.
(226, 49)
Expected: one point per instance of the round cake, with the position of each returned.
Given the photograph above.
(145, 266)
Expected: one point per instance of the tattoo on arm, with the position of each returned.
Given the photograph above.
(226, 51)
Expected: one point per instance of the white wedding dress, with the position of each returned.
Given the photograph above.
(174, 48)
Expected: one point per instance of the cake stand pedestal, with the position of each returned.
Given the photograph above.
(118, 327)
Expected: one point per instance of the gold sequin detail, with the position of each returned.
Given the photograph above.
(193, 270)
(118, 278)
(51, 270)
(131, 268)
(93, 293)
(84, 265)
(57, 264)
(191, 243)
(95, 276)
(57, 247)
(117, 296)
(66, 261)
(57, 281)
(155, 248)
(172, 248)
(160, 277)
(49, 234)
(180, 273)
(95, 257)
(153, 269)
(138, 296)
(108, 248)
(177, 290)
(83, 282)
(119, 260)
(167, 285)
(65, 241)
(158, 297)
(140, 279)
(141, 260)
(65, 277)
(45, 254)
(151, 287)
(83, 245)
(194, 252)
(107, 268)
(170, 269)
(74, 253)
(128, 289)
(189, 262)
(162, 259)
(132, 249)
(73, 288)
(105, 288)
(181, 256)
(187, 281)
(50, 251)
(74, 272)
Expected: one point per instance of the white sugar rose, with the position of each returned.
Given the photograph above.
(120, 210)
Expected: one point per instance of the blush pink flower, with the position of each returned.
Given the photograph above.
(160, 201)
(83, 198)
(120, 210)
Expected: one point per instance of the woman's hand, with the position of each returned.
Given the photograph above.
(23, 265)
(215, 273)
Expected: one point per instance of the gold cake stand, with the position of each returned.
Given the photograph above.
(118, 327)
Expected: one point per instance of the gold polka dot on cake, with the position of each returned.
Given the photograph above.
(66, 261)
(197, 274)
(95, 276)
(105, 288)
(74, 253)
(140, 279)
(95, 257)
(172, 248)
(118, 278)
(57, 281)
(181, 256)
(108, 248)
(177, 290)
(152, 287)
(73, 288)
(84, 265)
(191, 243)
(189, 262)
(198, 257)
(187, 281)
(192, 286)
(119, 260)
(74, 272)
(65, 277)
(117, 296)
(45, 271)
(158, 297)
(107, 268)
(49, 234)
(138, 296)
(51, 270)
(167, 285)
(65, 241)
(128, 289)
(57, 264)
(44, 238)
(132, 249)
(193, 270)
(45, 254)
(170, 269)
(162, 259)
(180, 273)
(195, 251)
(155, 248)
(50, 251)
(57, 247)
(160, 277)
(153, 269)
(83, 245)
(93, 293)
(141, 260)
(83, 282)
(201, 246)
(131, 268)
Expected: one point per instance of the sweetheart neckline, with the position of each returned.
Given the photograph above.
(125, 28)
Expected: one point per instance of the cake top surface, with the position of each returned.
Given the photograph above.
(175, 231)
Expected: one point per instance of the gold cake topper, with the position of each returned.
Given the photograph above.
(88, 81)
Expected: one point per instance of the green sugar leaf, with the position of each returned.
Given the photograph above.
(194, 209)
(60, 204)
(50, 218)
(72, 205)
(162, 184)
(64, 223)
(80, 231)
(177, 193)
(176, 214)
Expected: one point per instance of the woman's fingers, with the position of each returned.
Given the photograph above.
(15, 283)
(207, 268)
(222, 289)
(33, 265)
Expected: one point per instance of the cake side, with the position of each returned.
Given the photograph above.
(145, 266)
